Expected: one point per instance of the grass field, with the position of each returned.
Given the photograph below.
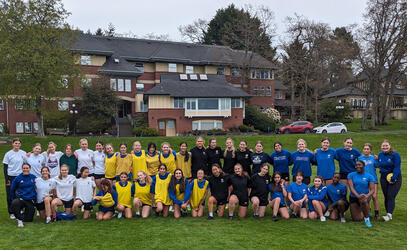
(219, 233)
(354, 126)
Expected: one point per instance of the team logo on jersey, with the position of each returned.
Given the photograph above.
(329, 156)
(338, 191)
(217, 152)
(319, 191)
(21, 181)
(389, 160)
(246, 156)
(364, 179)
(221, 180)
(303, 190)
(267, 182)
(351, 156)
(204, 153)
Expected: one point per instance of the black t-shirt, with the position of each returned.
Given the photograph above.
(240, 185)
(245, 160)
(260, 186)
(213, 156)
(219, 186)
(229, 162)
(198, 161)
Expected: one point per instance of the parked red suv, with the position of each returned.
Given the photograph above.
(297, 127)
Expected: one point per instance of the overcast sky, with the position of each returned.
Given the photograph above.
(164, 16)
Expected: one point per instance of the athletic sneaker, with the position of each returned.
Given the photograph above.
(12, 216)
(275, 218)
(171, 209)
(256, 216)
(48, 220)
(323, 219)
(376, 216)
(184, 214)
(386, 218)
(156, 214)
(230, 217)
(119, 215)
(38, 213)
(367, 223)
(327, 213)
(20, 223)
(83, 209)
(210, 217)
(370, 215)
(293, 216)
(343, 220)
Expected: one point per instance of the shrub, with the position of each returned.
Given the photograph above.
(93, 124)
(56, 119)
(273, 114)
(258, 120)
(329, 112)
(145, 131)
(244, 128)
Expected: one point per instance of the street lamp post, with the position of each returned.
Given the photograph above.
(74, 111)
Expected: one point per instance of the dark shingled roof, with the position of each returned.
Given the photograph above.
(142, 50)
(284, 103)
(116, 65)
(350, 90)
(279, 85)
(215, 86)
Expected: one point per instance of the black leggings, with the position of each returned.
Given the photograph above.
(28, 205)
(8, 193)
(390, 192)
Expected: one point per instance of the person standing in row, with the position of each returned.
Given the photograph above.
(243, 158)
(213, 153)
(152, 159)
(168, 157)
(259, 158)
(52, 158)
(36, 160)
(99, 158)
(139, 159)
(302, 161)
(110, 164)
(325, 159)
(281, 161)
(85, 157)
(183, 160)
(44, 187)
(229, 157)
(69, 159)
(346, 158)
(199, 158)
(124, 161)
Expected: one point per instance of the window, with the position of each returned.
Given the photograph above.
(113, 84)
(171, 124)
(208, 103)
(140, 87)
(268, 91)
(278, 95)
(172, 67)
(35, 127)
(1, 104)
(262, 90)
(86, 82)
(261, 74)
(143, 106)
(191, 104)
(189, 69)
(220, 71)
(63, 105)
(255, 92)
(225, 103)
(19, 127)
(27, 127)
(120, 85)
(206, 125)
(140, 67)
(261, 109)
(1, 128)
(161, 125)
(236, 103)
(234, 71)
(127, 85)
(178, 103)
(63, 83)
(19, 104)
(85, 60)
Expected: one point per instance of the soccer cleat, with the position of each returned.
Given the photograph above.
(48, 220)
(322, 218)
(171, 209)
(230, 217)
(12, 216)
(327, 213)
(274, 218)
(119, 215)
(293, 216)
(343, 220)
(367, 223)
(156, 214)
(386, 218)
(256, 216)
(38, 213)
(20, 223)
(210, 217)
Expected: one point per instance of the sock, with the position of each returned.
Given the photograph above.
(48, 217)
(389, 214)
(138, 213)
(210, 214)
(231, 215)
(367, 219)
(376, 212)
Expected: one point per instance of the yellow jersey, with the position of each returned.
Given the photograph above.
(110, 165)
(169, 161)
(143, 191)
(139, 163)
(198, 193)
(153, 162)
(123, 164)
(124, 194)
(161, 189)
(185, 166)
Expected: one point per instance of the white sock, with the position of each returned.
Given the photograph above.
(210, 214)
(367, 219)
(138, 213)
(19, 221)
(389, 214)
(230, 215)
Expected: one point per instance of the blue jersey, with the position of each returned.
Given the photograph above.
(325, 163)
(360, 182)
(370, 165)
(297, 191)
(347, 159)
(281, 161)
(390, 163)
(277, 194)
(258, 159)
(336, 192)
(302, 162)
(24, 185)
(318, 194)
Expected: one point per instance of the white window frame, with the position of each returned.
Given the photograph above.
(64, 84)
(189, 103)
(143, 106)
(268, 90)
(1, 128)
(220, 71)
(28, 127)
(86, 82)
(172, 67)
(278, 95)
(235, 101)
(120, 85)
(63, 105)
(20, 127)
(177, 103)
(113, 84)
(140, 87)
(86, 60)
(19, 104)
(197, 125)
(234, 71)
(224, 103)
(35, 127)
(127, 85)
(189, 69)
(1, 104)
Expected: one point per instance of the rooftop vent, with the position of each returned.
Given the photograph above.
(193, 77)
(203, 77)
(183, 77)
(116, 60)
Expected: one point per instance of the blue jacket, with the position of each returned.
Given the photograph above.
(187, 193)
(325, 163)
(25, 187)
(302, 162)
(347, 159)
(281, 161)
(390, 163)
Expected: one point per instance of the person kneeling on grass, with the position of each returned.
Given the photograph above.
(125, 192)
(338, 203)
(107, 199)
(199, 191)
(317, 202)
(219, 191)
(260, 191)
(239, 191)
(180, 192)
(160, 185)
(85, 189)
(44, 186)
(24, 185)
(143, 194)
(278, 192)
(297, 195)
(361, 185)
(64, 186)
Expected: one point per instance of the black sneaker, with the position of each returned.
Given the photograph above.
(275, 218)
(137, 216)
(230, 217)
(293, 216)
(156, 214)
(256, 216)
(184, 214)
(210, 217)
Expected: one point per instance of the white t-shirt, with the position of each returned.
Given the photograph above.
(52, 162)
(99, 158)
(84, 189)
(65, 187)
(44, 188)
(36, 162)
(15, 162)
(85, 159)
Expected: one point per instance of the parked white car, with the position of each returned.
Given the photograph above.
(333, 127)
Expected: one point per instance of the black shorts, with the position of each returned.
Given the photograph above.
(86, 205)
(335, 204)
(40, 206)
(144, 204)
(221, 202)
(282, 205)
(112, 179)
(99, 176)
(285, 176)
(263, 200)
(306, 180)
(344, 176)
(68, 204)
(244, 203)
(354, 200)
(91, 175)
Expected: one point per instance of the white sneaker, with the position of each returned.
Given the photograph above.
(47, 220)
(38, 213)
(343, 220)
(119, 215)
(327, 213)
(12, 216)
(83, 209)
(20, 223)
(323, 219)
(386, 218)
(171, 209)
(96, 214)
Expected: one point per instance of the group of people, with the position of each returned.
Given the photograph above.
(146, 181)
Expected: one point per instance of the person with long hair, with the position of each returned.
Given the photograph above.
(161, 183)
(259, 157)
(69, 159)
(85, 189)
(125, 191)
(199, 157)
(325, 160)
(36, 160)
(152, 159)
(23, 194)
(389, 162)
(143, 194)
(199, 191)
(52, 158)
(297, 195)
(107, 199)
(281, 161)
(99, 157)
(229, 157)
(302, 161)
(243, 157)
(260, 191)
(219, 187)
(110, 164)
(317, 202)
(278, 194)
(361, 185)
(168, 157)
(124, 162)
(180, 193)
(64, 187)
(85, 157)
(239, 191)
(346, 157)
(44, 187)
(183, 160)
(338, 203)
(139, 159)
(213, 153)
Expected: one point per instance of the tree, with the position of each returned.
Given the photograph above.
(34, 54)
(99, 32)
(194, 32)
(111, 30)
(332, 111)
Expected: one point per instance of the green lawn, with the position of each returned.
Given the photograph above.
(219, 233)
(355, 125)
